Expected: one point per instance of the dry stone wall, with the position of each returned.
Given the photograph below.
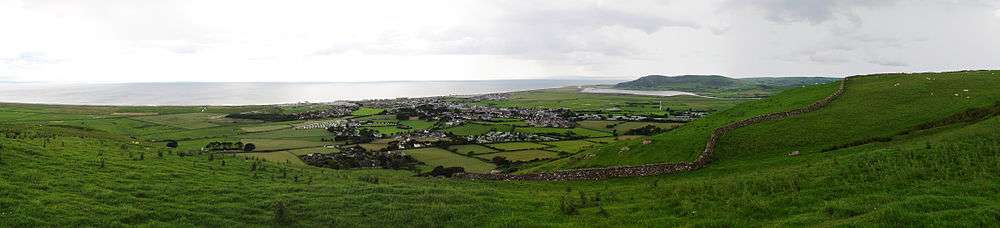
(663, 168)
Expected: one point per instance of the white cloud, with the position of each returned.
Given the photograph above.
(313, 40)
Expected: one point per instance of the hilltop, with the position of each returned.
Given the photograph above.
(721, 86)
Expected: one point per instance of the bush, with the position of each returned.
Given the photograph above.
(441, 171)
(172, 143)
(249, 147)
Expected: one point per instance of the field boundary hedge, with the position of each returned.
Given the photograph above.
(703, 159)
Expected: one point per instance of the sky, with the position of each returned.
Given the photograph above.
(380, 40)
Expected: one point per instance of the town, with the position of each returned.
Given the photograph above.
(385, 133)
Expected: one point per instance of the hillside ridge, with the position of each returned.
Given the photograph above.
(662, 168)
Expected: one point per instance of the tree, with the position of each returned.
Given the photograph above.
(172, 143)
(249, 147)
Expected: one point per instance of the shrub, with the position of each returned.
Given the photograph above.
(249, 147)
(172, 143)
(645, 130)
(441, 171)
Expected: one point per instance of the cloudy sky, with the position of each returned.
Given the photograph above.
(374, 40)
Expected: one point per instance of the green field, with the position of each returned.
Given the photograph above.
(573, 146)
(624, 127)
(186, 121)
(315, 150)
(279, 157)
(441, 157)
(600, 125)
(255, 129)
(289, 133)
(365, 111)
(684, 143)
(516, 146)
(571, 99)
(471, 149)
(471, 129)
(283, 144)
(522, 155)
(390, 127)
(583, 132)
(85, 172)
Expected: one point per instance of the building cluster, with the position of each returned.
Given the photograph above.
(356, 157)
(501, 136)
(322, 124)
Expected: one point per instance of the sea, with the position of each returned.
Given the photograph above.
(257, 93)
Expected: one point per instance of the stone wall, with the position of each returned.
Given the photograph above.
(663, 168)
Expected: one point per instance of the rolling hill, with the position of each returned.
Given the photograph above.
(873, 107)
(894, 150)
(720, 86)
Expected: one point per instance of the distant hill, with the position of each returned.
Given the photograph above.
(721, 86)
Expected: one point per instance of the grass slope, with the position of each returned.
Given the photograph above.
(684, 143)
(946, 176)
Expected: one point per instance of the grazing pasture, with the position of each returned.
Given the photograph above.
(582, 132)
(600, 125)
(441, 157)
(365, 111)
(186, 120)
(516, 146)
(573, 146)
(626, 126)
(279, 157)
(314, 150)
(521, 155)
(283, 144)
(291, 133)
(255, 129)
(471, 149)
(865, 162)
(469, 129)
(571, 98)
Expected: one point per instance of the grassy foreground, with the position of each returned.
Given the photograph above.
(94, 175)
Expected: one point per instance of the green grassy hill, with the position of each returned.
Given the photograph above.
(720, 86)
(684, 143)
(52, 174)
(873, 107)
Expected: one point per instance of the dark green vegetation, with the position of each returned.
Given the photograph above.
(570, 98)
(720, 86)
(61, 166)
